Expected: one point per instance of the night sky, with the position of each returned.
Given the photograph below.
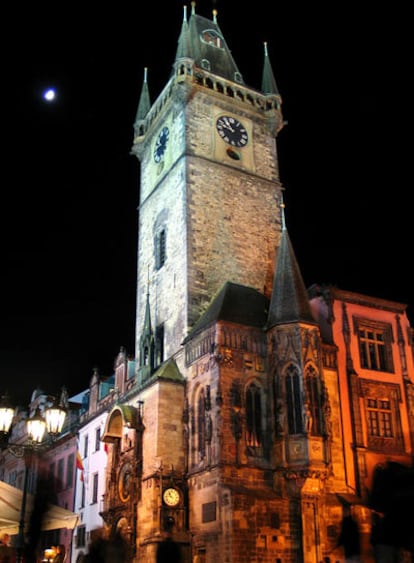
(70, 185)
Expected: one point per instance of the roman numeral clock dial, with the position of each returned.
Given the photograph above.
(232, 131)
(171, 497)
(161, 144)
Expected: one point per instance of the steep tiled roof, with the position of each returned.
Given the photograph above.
(234, 303)
(202, 40)
(290, 301)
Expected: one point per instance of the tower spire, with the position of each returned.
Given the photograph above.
(147, 343)
(144, 103)
(184, 50)
(269, 85)
(290, 301)
(282, 213)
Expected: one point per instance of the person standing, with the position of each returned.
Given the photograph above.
(6, 552)
(349, 538)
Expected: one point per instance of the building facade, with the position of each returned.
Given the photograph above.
(260, 412)
(49, 470)
(255, 414)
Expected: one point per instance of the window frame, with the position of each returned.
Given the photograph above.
(293, 391)
(95, 488)
(70, 470)
(379, 417)
(97, 438)
(85, 445)
(386, 392)
(254, 415)
(160, 247)
(159, 344)
(375, 354)
(313, 394)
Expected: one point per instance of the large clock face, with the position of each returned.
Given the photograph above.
(232, 131)
(171, 497)
(161, 144)
(124, 482)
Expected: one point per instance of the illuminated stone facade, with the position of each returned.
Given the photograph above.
(258, 411)
(253, 413)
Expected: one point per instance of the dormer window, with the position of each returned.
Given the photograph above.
(238, 78)
(212, 38)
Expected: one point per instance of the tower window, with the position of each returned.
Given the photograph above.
(253, 416)
(293, 399)
(238, 77)
(205, 64)
(160, 249)
(159, 345)
(313, 397)
(212, 38)
(145, 357)
(201, 436)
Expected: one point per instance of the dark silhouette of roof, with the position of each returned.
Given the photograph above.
(234, 303)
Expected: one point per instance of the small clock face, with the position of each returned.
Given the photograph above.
(171, 497)
(232, 131)
(161, 144)
(124, 482)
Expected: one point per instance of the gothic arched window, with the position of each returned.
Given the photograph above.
(314, 399)
(293, 400)
(145, 359)
(254, 431)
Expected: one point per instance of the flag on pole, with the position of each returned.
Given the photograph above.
(79, 464)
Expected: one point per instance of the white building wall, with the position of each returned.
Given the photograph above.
(88, 497)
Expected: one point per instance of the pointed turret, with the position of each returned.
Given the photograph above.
(144, 104)
(147, 328)
(290, 301)
(184, 50)
(269, 85)
(147, 344)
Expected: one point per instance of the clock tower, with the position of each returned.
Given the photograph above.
(251, 422)
(212, 323)
(210, 188)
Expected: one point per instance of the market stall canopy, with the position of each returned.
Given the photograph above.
(10, 505)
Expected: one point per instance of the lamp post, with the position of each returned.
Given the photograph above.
(51, 419)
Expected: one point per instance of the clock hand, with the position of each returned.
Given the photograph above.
(227, 125)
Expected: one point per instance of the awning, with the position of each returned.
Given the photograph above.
(119, 417)
(10, 506)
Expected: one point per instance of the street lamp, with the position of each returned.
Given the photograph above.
(51, 419)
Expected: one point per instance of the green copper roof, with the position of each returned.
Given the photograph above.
(202, 40)
(168, 370)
